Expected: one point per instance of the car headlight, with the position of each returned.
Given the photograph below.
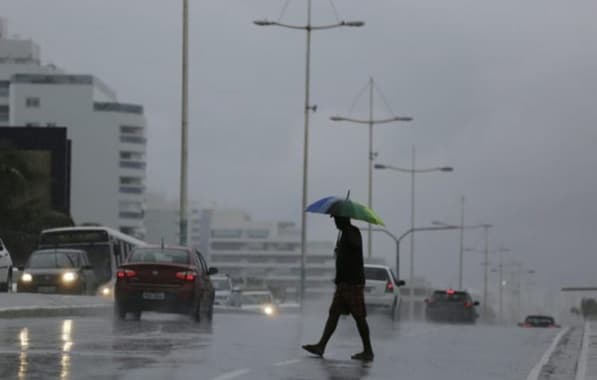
(26, 277)
(106, 291)
(268, 310)
(69, 277)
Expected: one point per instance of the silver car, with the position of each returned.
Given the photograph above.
(5, 268)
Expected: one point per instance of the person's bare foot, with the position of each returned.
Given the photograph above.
(363, 356)
(314, 349)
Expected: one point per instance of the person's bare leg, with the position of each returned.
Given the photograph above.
(363, 327)
(330, 327)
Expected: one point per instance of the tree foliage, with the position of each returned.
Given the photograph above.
(24, 206)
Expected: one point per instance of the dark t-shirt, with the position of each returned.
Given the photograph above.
(349, 258)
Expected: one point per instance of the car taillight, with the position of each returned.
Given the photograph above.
(186, 276)
(468, 304)
(526, 325)
(126, 273)
(389, 287)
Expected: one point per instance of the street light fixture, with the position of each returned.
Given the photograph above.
(371, 121)
(308, 28)
(412, 173)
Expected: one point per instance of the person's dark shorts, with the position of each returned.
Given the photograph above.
(349, 299)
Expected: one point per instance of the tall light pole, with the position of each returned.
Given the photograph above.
(307, 108)
(371, 122)
(461, 252)
(184, 155)
(412, 171)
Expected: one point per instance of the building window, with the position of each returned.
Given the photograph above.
(4, 113)
(131, 215)
(226, 246)
(4, 89)
(131, 189)
(225, 233)
(137, 156)
(258, 234)
(132, 165)
(131, 181)
(32, 102)
(132, 134)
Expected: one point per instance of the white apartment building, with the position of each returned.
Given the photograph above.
(265, 254)
(162, 221)
(108, 137)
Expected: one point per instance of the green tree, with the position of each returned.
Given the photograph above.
(24, 201)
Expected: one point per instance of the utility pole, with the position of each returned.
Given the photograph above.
(486, 263)
(184, 124)
(461, 253)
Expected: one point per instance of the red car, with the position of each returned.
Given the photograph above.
(165, 279)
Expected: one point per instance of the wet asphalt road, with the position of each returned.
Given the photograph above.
(257, 347)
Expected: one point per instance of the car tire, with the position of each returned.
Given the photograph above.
(394, 310)
(210, 312)
(119, 312)
(7, 285)
(196, 312)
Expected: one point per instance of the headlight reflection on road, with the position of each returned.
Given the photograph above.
(24, 341)
(67, 326)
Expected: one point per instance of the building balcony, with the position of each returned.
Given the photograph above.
(132, 164)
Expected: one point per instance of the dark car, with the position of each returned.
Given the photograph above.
(64, 271)
(165, 279)
(539, 321)
(451, 306)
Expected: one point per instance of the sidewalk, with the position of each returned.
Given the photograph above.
(587, 363)
(13, 305)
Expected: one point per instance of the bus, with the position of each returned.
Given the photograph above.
(106, 248)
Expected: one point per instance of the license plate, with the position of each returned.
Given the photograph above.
(46, 289)
(153, 296)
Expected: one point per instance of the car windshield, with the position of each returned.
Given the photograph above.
(256, 299)
(221, 284)
(54, 260)
(160, 256)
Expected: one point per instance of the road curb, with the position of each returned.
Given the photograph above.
(536, 371)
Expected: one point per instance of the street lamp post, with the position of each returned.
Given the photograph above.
(412, 173)
(184, 125)
(307, 108)
(371, 122)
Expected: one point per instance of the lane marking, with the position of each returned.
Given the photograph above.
(581, 367)
(536, 371)
(287, 362)
(232, 374)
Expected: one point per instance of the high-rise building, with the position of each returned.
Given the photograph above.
(265, 254)
(108, 137)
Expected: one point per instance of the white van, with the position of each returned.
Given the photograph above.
(5, 268)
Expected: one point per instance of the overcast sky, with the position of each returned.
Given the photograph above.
(503, 91)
